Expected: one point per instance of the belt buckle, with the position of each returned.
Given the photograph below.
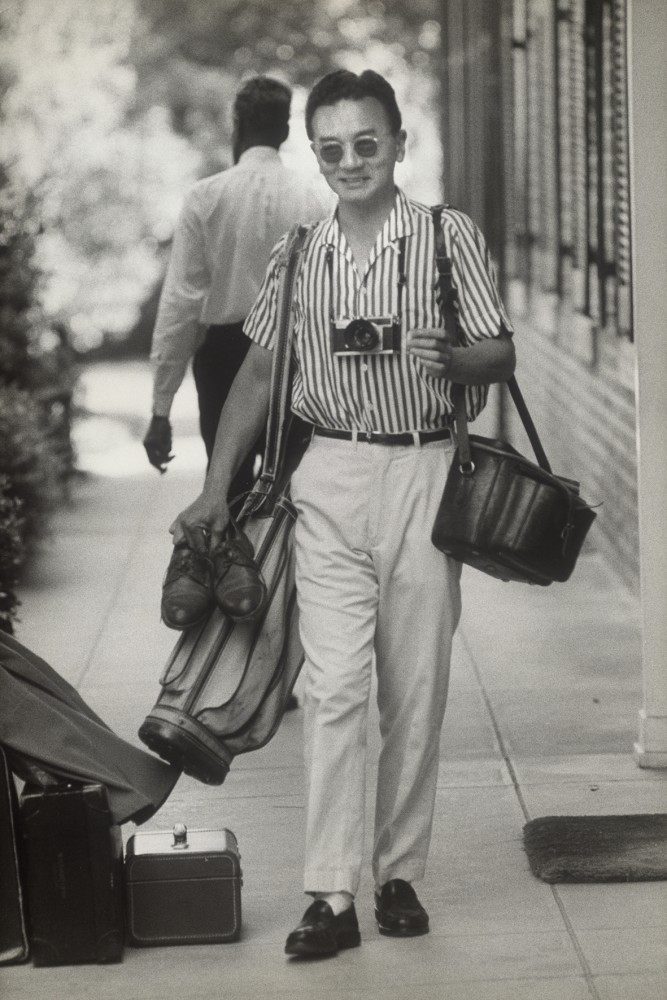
(370, 435)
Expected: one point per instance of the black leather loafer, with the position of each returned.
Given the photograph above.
(320, 933)
(238, 587)
(398, 910)
(187, 591)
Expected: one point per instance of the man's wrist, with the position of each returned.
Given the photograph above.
(214, 492)
(448, 362)
(161, 403)
(217, 483)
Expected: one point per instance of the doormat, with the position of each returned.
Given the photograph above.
(597, 848)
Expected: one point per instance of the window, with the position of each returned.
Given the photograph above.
(571, 195)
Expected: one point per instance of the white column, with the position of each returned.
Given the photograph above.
(647, 40)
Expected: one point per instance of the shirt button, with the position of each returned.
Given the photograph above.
(364, 368)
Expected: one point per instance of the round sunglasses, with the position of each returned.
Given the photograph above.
(333, 152)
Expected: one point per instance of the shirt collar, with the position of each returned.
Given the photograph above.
(259, 153)
(400, 222)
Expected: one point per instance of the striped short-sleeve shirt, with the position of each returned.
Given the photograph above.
(387, 393)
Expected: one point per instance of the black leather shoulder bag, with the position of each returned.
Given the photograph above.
(500, 512)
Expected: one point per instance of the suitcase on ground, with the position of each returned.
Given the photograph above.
(183, 887)
(14, 946)
(74, 873)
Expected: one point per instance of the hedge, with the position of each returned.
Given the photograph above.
(36, 383)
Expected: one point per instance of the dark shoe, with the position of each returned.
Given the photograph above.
(320, 933)
(187, 592)
(238, 587)
(398, 911)
(292, 703)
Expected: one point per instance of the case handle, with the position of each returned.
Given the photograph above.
(180, 837)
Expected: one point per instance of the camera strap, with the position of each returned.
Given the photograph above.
(449, 295)
(400, 282)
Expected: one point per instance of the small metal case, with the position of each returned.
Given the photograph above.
(183, 887)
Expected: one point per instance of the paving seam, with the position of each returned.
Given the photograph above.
(583, 961)
(137, 534)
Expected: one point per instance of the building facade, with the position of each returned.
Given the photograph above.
(555, 136)
(536, 135)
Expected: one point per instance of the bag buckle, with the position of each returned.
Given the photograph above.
(565, 535)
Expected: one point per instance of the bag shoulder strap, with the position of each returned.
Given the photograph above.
(289, 265)
(449, 296)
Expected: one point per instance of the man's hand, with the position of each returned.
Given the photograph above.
(432, 347)
(158, 442)
(202, 524)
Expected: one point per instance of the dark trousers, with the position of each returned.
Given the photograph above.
(215, 366)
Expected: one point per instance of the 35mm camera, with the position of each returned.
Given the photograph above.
(366, 335)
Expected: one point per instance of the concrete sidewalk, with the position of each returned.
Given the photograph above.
(542, 719)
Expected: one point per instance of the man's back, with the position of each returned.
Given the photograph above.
(227, 228)
(242, 213)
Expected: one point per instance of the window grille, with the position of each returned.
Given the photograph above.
(571, 196)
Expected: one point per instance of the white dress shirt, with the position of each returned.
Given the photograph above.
(227, 228)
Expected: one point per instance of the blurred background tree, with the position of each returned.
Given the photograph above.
(190, 56)
(109, 182)
(36, 380)
(109, 110)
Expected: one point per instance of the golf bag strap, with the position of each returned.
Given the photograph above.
(449, 295)
(289, 265)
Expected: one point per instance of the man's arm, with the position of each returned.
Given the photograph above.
(176, 333)
(481, 363)
(486, 352)
(241, 421)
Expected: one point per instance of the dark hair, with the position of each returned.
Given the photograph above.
(262, 107)
(343, 85)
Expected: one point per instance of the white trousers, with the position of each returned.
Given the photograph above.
(369, 580)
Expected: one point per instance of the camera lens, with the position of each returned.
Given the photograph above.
(361, 335)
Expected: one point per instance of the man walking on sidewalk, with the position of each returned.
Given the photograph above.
(374, 376)
(229, 224)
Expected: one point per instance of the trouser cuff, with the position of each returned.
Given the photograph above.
(409, 871)
(331, 880)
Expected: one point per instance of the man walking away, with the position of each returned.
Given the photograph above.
(227, 228)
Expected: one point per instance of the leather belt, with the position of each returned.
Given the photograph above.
(373, 437)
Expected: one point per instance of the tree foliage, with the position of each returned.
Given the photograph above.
(109, 183)
(11, 553)
(18, 283)
(35, 388)
(190, 54)
(111, 108)
(305, 39)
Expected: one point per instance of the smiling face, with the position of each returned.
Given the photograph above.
(357, 178)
